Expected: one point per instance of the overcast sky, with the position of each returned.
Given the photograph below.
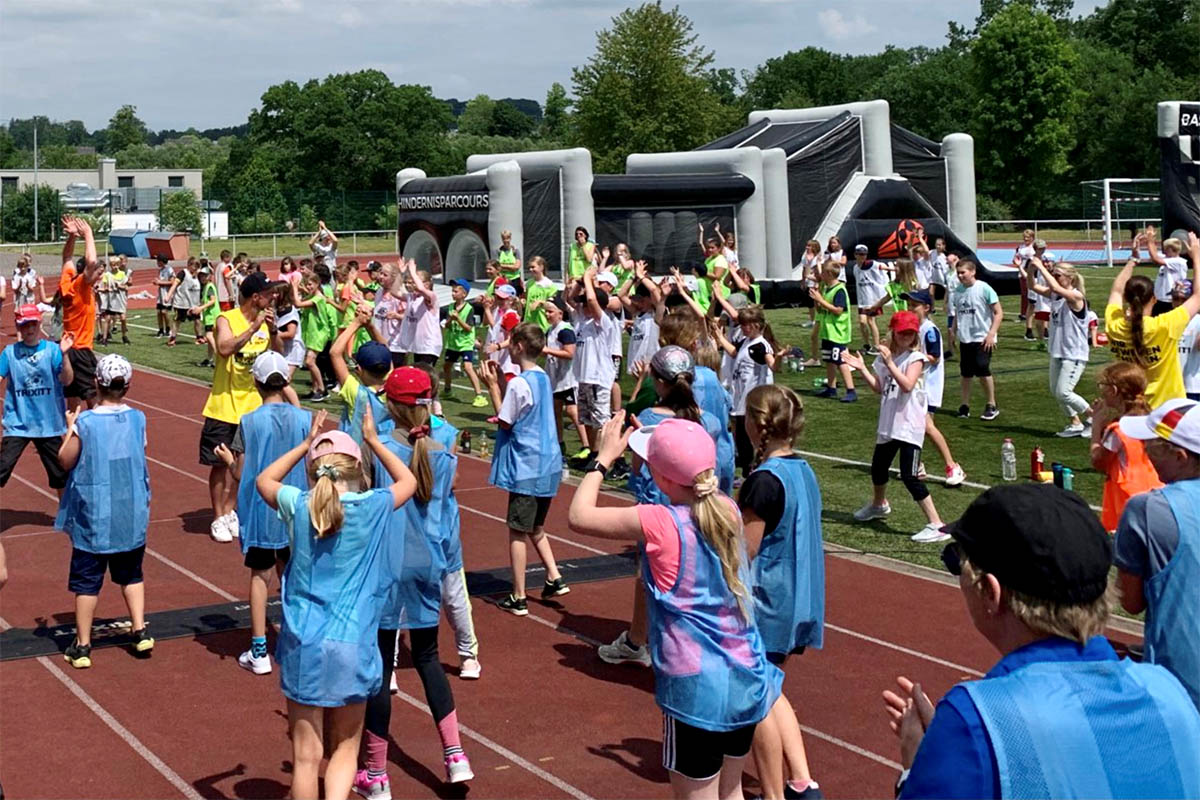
(205, 63)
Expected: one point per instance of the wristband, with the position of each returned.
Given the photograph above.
(596, 466)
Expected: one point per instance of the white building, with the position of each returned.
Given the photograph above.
(131, 188)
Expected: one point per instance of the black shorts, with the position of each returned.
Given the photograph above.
(831, 352)
(699, 754)
(1160, 307)
(973, 360)
(265, 557)
(417, 359)
(87, 569)
(209, 328)
(869, 312)
(83, 362)
(526, 512)
(162, 306)
(460, 355)
(398, 359)
(778, 659)
(11, 448)
(213, 433)
(185, 314)
(566, 396)
(108, 313)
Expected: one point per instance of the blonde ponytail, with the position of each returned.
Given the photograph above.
(415, 420)
(717, 522)
(325, 509)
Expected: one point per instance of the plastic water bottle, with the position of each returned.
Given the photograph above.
(1008, 460)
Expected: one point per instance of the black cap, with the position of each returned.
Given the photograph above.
(918, 296)
(162, 259)
(1037, 539)
(254, 283)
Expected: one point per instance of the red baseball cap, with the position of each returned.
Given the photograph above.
(905, 321)
(409, 386)
(510, 320)
(28, 313)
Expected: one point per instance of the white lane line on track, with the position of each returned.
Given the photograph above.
(906, 650)
(853, 748)
(182, 785)
(108, 719)
(504, 752)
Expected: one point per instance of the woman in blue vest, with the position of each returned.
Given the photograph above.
(712, 679)
(262, 436)
(1059, 715)
(332, 600)
(414, 584)
(781, 506)
(105, 507)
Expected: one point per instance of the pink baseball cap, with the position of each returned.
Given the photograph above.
(677, 449)
(332, 442)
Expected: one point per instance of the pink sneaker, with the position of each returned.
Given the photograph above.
(458, 769)
(372, 788)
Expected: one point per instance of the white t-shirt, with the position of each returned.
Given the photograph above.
(560, 370)
(935, 373)
(871, 280)
(924, 270)
(420, 326)
(23, 286)
(1173, 270)
(731, 257)
(187, 293)
(1068, 331)
(518, 398)
(746, 374)
(593, 349)
(973, 312)
(807, 269)
(840, 257)
(328, 252)
(643, 341)
(495, 335)
(618, 328)
(1189, 356)
(295, 353)
(164, 274)
(901, 414)
(389, 329)
(940, 272)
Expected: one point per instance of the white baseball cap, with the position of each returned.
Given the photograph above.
(506, 290)
(1177, 421)
(111, 367)
(607, 277)
(269, 363)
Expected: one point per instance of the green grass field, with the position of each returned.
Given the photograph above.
(841, 436)
(263, 246)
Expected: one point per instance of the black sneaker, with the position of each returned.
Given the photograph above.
(811, 792)
(619, 470)
(125, 340)
(514, 605)
(964, 411)
(143, 642)
(79, 655)
(1029, 336)
(989, 412)
(950, 355)
(554, 588)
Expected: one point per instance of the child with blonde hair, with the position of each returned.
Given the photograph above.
(1122, 459)
(329, 661)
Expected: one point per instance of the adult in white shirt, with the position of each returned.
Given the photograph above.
(421, 327)
(870, 281)
(324, 245)
(977, 318)
(1070, 343)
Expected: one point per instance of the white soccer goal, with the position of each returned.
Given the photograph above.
(1125, 205)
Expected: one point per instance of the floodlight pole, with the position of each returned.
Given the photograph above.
(35, 181)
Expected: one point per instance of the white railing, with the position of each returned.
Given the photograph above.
(296, 243)
(1092, 229)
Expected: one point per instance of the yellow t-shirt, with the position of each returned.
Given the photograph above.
(349, 393)
(1161, 334)
(233, 394)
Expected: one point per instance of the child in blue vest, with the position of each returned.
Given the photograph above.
(329, 664)
(414, 581)
(264, 435)
(527, 462)
(359, 389)
(105, 507)
(712, 678)
(34, 372)
(781, 506)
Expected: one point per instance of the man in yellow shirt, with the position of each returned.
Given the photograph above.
(241, 333)
(1129, 305)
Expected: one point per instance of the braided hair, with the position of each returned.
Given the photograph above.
(778, 414)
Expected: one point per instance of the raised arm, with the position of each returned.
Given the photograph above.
(227, 343)
(270, 480)
(1073, 296)
(589, 287)
(606, 522)
(1116, 295)
(1192, 304)
(423, 290)
(404, 485)
(1152, 247)
(1036, 269)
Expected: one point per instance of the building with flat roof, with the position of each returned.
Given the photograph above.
(106, 176)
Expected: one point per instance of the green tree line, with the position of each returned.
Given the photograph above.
(1050, 99)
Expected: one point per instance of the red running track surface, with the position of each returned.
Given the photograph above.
(547, 719)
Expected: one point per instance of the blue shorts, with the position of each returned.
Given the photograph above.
(87, 569)
(460, 355)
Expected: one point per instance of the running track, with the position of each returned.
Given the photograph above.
(548, 719)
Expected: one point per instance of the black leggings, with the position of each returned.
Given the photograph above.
(743, 448)
(910, 458)
(429, 668)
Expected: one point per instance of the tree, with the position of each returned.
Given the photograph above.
(926, 94)
(16, 214)
(1152, 32)
(508, 120)
(812, 75)
(125, 130)
(1022, 72)
(645, 89)
(178, 211)
(255, 198)
(62, 156)
(555, 113)
(476, 118)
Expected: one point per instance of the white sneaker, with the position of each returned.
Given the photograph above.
(622, 652)
(1086, 433)
(1071, 431)
(930, 533)
(394, 687)
(219, 530)
(231, 522)
(458, 769)
(259, 665)
(470, 670)
(955, 475)
(871, 511)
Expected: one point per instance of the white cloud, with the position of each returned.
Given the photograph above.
(837, 27)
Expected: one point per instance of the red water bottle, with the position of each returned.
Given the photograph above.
(1037, 463)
